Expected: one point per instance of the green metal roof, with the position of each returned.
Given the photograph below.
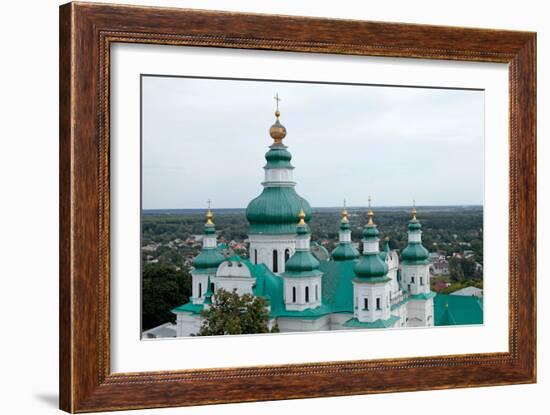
(371, 266)
(344, 251)
(278, 157)
(208, 258)
(275, 211)
(188, 308)
(457, 309)
(378, 324)
(423, 296)
(337, 297)
(414, 225)
(384, 254)
(209, 229)
(414, 254)
(371, 232)
(301, 261)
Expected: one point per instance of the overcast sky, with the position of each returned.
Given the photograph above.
(205, 138)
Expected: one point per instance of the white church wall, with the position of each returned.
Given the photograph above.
(376, 294)
(297, 324)
(278, 176)
(416, 278)
(420, 313)
(299, 302)
(262, 247)
(233, 275)
(199, 286)
(187, 324)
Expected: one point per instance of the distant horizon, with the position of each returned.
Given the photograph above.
(374, 208)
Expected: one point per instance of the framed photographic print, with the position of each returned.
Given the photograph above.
(259, 207)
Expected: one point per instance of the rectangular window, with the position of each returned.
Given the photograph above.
(378, 303)
(366, 303)
(293, 294)
(421, 281)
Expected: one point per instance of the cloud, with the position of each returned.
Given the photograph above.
(207, 138)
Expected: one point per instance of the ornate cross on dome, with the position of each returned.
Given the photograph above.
(277, 99)
(209, 201)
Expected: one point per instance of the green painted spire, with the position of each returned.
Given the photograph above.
(386, 251)
(344, 250)
(274, 211)
(302, 262)
(370, 266)
(414, 253)
(208, 294)
(210, 257)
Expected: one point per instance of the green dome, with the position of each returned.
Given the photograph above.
(208, 258)
(414, 225)
(344, 251)
(275, 211)
(370, 266)
(302, 261)
(278, 156)
(370, 232)
(414, 253)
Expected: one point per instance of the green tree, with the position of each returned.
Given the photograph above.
(455, 269)
(231, 313)
(163, 288)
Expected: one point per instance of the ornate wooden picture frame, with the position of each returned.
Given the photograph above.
(87, 32)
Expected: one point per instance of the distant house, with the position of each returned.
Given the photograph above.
(440, 267)
(440, 285)
(469, 292)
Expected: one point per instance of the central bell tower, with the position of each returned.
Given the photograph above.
(274, 213)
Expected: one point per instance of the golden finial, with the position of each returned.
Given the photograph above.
(414, 210)
(344, 213)
(370, 214)
(277, 130)
(302, 216)
(209, 215)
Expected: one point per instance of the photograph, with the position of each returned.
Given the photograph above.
(276, 206)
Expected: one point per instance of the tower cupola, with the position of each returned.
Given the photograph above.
(344, 250)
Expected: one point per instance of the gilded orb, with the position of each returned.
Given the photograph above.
(277, 130)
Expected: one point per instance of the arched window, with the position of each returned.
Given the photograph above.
(256, 256)
(200, 290)
(307, 294)
(212, 287)
(275, 261)
(366, 304)
(316, 293)
(378, 303)
(287, 254)
(293, 294)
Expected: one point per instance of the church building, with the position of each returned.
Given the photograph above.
(348, 290)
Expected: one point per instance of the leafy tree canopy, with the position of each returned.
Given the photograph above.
(163, 288)
(231, 313)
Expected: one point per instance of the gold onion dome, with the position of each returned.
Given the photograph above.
(277, 131)
(209, 217)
